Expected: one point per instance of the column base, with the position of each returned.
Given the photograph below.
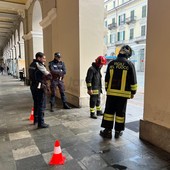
(155, 134)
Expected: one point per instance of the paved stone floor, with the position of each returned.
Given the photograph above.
(24, 147)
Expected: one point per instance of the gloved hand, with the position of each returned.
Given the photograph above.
(90, 92)
(132, 96)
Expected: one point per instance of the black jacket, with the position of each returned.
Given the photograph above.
(93, 79)
(120, 79)
(57, 69)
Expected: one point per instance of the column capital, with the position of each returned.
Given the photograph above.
(32, 34)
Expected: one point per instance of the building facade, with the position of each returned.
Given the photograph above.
(126, 21)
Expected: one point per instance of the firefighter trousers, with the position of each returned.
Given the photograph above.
(95, 102)
(114, 114)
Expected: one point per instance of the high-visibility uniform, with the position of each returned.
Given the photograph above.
(93, 81)
(120, 84)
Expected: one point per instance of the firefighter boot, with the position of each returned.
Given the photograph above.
(118, 134)
(51, 107)
(93, 116)
(106, 133)
(99, 113)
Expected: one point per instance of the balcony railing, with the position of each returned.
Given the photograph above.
(131, 20)
(118, 43)
(140, 39)
(112, 26)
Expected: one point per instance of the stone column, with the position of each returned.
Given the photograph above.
(74, 28)
(155, 126)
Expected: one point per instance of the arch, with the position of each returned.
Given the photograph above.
(36, 17)
(21, 31)
(16, 37)
(37, 33)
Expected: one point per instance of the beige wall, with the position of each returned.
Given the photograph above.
(155, 126)
(77, 33)
(157, 93)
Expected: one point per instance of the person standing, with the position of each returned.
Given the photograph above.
(121, 84)
(94, 86)
(38, 74)
(58, 71)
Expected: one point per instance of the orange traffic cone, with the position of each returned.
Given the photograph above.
(57, 158)
(32, 115)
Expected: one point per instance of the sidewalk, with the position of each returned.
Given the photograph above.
(24, 147)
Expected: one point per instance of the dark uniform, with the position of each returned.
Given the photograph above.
(38, 89)
(93, 81)
(121, 84)
(58, 70)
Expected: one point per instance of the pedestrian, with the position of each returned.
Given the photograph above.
(94, 86)
(7, 70)
(38, 74)
(58, 71)
(121, 84)
(2, 70)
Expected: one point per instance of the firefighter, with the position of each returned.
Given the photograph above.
(38, 76)
(58, 70)
(94, 86)
(120, 84)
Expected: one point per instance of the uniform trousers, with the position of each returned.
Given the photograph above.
(115, 111)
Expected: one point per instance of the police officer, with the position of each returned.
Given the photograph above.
(121, 84)
(38, 75)
(94, 86)
(58, 70)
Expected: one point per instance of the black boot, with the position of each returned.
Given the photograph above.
(51, 107)
(99, 113)
(93, 116)
(106, 133)
(66, 106)
(118, 134)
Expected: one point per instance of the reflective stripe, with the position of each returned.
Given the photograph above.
(95, 91)
(57, 150)
(108, 117)
(88, 84)
(92, 110)
(134, 87)
(123, 82)
(120, 93)
(120, 119)
(111, 77)
(98, 108)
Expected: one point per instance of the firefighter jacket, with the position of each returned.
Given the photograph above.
(93, 79)
(57, 69)
(120, 79)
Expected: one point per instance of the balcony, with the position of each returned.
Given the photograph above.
(112, 26)
(119, 43)
(140, 39)
(131, 20)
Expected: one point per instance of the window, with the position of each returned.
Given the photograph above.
(121, 36)
(131, 34)
(112, 38)
(144, 11)
(143, 30)
(122, 19)
(113, 20)
(105, 23)
(132, 15)
(113, 4)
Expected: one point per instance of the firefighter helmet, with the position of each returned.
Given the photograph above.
(100, 61)
(126, 50)
(57, 54)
